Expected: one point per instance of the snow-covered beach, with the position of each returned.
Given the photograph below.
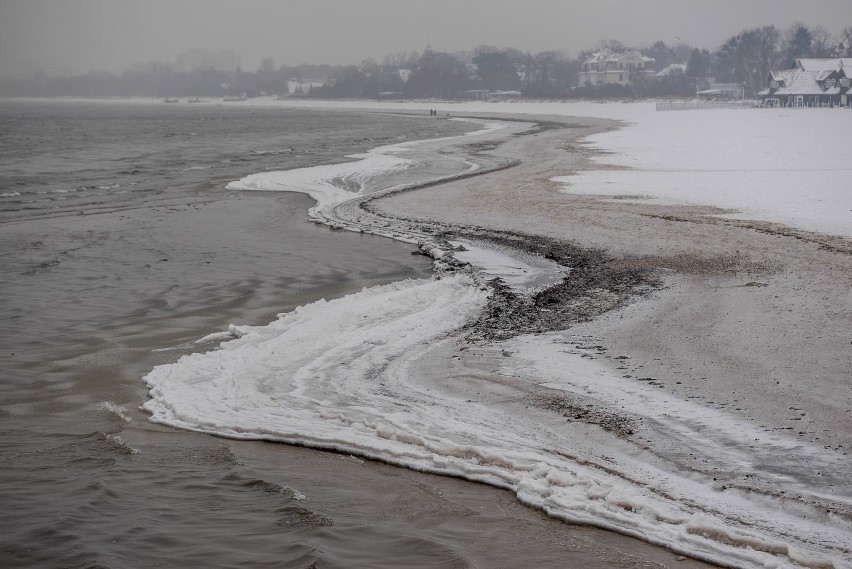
(704, 407)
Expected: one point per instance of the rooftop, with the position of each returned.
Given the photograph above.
(824, 64)
(607, 57)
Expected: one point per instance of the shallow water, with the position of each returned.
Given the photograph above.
(97, 277)
(174, 240)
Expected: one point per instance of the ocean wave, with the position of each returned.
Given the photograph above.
(196, 168)
(120, 444)
(116, 410)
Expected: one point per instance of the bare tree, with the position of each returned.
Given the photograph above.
(768, 39)
(438, 75)
(796, 43)
(698, 67)
(844, 43)
(682, 52)
(614, 46)
(394, 59)
(822, 42)
(496, 69)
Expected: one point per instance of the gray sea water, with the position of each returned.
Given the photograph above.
(118, 240)
(119, 248)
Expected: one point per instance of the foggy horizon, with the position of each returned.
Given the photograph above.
(111, 35)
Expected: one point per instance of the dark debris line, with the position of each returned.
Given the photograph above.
(596, 284)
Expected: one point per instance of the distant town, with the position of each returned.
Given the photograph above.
(798, 65)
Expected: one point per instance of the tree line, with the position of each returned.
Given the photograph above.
(745, 58)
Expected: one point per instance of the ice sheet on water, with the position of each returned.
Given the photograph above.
(333, 184)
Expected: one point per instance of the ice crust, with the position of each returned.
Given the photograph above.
(758, 163)
(329, 184)
(339, 375)
(334, 184)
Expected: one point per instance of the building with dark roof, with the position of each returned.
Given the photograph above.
(811, 83)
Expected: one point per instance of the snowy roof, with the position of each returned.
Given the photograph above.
(630, 55)
(673, 69)
(824, 64)
(781, 75)
(800, 82)
(606, 56)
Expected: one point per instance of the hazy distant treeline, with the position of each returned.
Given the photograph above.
(745, 58)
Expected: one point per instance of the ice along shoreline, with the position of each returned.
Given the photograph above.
(397, 422)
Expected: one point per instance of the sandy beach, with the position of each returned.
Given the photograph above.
(751, 316)
(748, 317)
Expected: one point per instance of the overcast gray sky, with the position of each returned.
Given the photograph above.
(82, 35)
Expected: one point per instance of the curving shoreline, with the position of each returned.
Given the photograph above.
(543, 362)
(662, 463)
(748, 322)
(649, 296)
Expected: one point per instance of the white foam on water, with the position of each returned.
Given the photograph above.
(122, 444)
(115, 409)
(333, 184)
(233, 331)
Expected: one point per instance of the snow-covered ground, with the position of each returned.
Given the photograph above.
(789, 166)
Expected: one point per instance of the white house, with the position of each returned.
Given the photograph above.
(607, 68)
